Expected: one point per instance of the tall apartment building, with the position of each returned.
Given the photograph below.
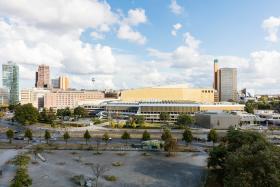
(228, 84)
(225, 82)
(10, 81)
(43, 77)
(63, 82)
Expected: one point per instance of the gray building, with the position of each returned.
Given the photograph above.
(228, 84)
(10, 81)
(216, 120)
(55, 83)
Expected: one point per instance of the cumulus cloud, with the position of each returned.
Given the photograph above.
(134, 18)
(175, 7)
(271, 26)
(176, 27)
(126, 32)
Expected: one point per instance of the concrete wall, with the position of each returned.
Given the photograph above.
(217, 121)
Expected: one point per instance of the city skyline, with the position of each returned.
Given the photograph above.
(131, 46)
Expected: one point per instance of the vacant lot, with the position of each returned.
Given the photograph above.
(154, 170)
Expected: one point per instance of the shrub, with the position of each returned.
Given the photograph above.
(111, 178)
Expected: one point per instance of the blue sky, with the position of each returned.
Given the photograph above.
(136, 43)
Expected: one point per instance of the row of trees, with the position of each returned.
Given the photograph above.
(245, 158)
(186, 136)
(250, 106)
(27, 114)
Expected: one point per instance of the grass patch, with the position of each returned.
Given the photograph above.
(117, 164)
(110, 178)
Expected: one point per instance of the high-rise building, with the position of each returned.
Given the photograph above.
(4, 97)
(228, 84)
(63, 82)
(225, 82)
(43, 77)
(55, 83)
(10, 81)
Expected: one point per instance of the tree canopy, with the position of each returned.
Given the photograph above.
(166, 134)
(80, 112)
(146, 135)
(245, 159)
(187, 135)
(184, 120)
(26, 114)
(164, 116)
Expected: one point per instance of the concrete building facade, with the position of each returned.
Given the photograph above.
(10, 81)
(63, 82)
(216, 120)
(4, 97)
(34, 96)
(228, 84)
(59, 99)
(43, 77)
(152, 110)
(169, 93)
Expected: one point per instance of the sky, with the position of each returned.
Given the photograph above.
(139, 43)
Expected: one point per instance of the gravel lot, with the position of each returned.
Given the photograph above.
(185, 169)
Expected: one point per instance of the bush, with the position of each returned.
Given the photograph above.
(117, 164)
(111, 178)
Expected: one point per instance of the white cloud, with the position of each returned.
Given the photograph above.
(126, 32)
(271, 26)
(176, 27)
(175, 8)
(97, 35)
(59, 15)
(135, 17)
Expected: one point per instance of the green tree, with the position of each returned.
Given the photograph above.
(166, 134)
(212, 136)
(66, 137)
(87, 136)
(139, 120)
(66, 112)
(28, 134)
(187, 136)
(47, 136)
(36, 150)
(26, 114)
(106, 138)
(250, 106)
(80, 112)
(146, 136)
(245, 158)
(10, 135)
(184, 120)
(126, 137)
(164, 116)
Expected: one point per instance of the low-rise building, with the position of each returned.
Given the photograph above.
(33, 96)
(169, 93)
(152, 110)
(216, 120)
(58, 99)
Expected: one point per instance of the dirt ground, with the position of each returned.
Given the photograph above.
(137, 170)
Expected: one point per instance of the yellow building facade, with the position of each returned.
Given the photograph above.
(169, 94)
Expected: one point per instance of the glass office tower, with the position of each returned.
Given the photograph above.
(10, 81)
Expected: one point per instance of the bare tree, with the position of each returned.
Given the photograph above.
(98, 170)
